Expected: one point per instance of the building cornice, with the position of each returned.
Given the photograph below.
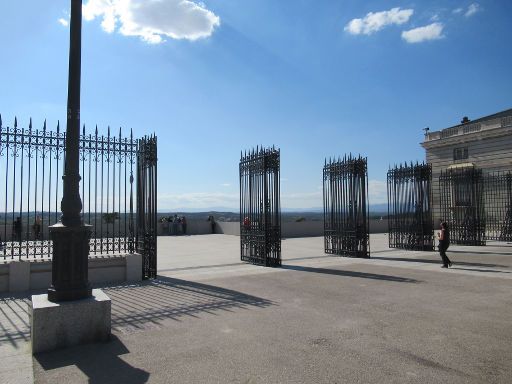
(467, 137)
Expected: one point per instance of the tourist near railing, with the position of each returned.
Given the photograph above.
(31, 165)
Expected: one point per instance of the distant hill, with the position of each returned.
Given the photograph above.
(287, 215)
(377, 208)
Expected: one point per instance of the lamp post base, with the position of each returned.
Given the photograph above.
(70, 280)
(55, 295)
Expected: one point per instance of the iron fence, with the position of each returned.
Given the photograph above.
(409, 207)
(461, 194)
(497, 189)
(260, 213)
(32, 161)
(346, 219)
(147, 205)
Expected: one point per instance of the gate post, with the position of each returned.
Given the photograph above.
(146, 234)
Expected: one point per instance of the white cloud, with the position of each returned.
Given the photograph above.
(153, 20)
(225, 185)
(432, 31)
(63, 22)
(375, 21)
(472, 9)
(458, 10)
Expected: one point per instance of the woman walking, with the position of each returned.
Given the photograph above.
(444, 243)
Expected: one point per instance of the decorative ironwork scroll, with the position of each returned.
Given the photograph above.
(346, 219)
(147, 205)
(498, 206)
(260, 212)
(31, 166)
(462, 205)
(409, 207)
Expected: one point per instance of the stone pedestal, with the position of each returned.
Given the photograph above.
(68, 323)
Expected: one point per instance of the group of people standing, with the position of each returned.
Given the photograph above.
(17, 229)
(177, 225)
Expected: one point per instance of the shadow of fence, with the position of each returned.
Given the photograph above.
(14, 320)
(345, 273)
(148, 304)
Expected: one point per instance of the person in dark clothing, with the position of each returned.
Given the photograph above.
(211, 219)
(444, 243)
(36, 227)
(17, 229)
(184, 225)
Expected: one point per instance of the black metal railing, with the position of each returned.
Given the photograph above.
(260, 212)
(461, 192)
(346, 219)
(32, 161)
(409, 190)
(497, 189)
(147, 205)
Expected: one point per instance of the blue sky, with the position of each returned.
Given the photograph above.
(316, 78)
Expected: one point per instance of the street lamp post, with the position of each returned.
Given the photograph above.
(70, 236)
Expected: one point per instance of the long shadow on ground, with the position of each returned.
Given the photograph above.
(438, 261)
(148, 304)
(361, 275)
(483, 253)
(99, 362)
(138, 307)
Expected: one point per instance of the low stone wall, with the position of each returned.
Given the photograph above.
(194, 227)
(228, 228)
(298, 229)
(20, 276)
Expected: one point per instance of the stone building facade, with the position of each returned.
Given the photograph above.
(484, 143)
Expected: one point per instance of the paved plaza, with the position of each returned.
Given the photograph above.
(208, 318)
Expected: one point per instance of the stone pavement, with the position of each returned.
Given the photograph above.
(15, 355)
(208, 318)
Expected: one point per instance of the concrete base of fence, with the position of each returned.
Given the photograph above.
(20, 276)
(60, 325)
(133, 267)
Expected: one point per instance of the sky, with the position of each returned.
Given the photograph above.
(315, 78)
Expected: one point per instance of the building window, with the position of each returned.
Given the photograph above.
(460, 153)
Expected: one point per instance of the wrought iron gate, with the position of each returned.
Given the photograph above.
(498, 206)
(462, 205)
(346, 219)
(409, 207)
(31, 165)
(260, 214)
